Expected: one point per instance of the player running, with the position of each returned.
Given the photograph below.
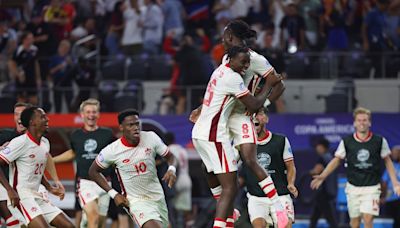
(86, 143)
(27, 156)
(363, 152)
(133, 156)
(275, 155)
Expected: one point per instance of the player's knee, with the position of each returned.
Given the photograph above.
(68, 224)
(259, 223)
(230, 191)
(355, 223)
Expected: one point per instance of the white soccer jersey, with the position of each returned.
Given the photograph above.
(259, 68)
(135, 165)
(27, 159)
(224, 87)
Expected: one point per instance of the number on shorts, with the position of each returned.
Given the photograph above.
(38, 169)
(140, 168)
(210, 93)
(245, 130)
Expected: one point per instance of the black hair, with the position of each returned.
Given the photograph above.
(241, 30)
(125, 113)
(324, 142)
(27, 114)
(169, 138)
(233, 51)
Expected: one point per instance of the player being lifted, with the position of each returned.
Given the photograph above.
(6, 135)
(27, 156)
(241, 127)
(275, 155)
(86, 143)
(133, 156)
(210, 133)
(363, 152)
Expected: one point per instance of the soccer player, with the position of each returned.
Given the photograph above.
(133, 156)
(275, 155)
(27, 156)
(6, 135)
(210, 133)
(238, 33)
(86, 143)
(363, 152)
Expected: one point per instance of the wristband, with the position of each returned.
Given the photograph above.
(267, 102)
(112, 193)
(172, 168)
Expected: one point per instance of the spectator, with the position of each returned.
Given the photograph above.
(325, 197)
(84, 75)
(25, 70)
(173, 17)
(292, 35)
(152, 24)
(115, 30)
(59, 66)
(309, 11)
(182, 202)
(132, 40)
(58, 18)
(8, 43)
(392, 201)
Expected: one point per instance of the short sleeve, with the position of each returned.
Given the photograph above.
(385, 150)
(260, 65)
(159, 147)
(287, 151)
(13, 150)
(341, 150)
(235, 85)
(104, 158)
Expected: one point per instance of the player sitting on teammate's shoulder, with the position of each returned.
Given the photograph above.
(133, 156)
(275, 155)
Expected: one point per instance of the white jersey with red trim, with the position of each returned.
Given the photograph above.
(27, 159)
(259, 68)
(224, 87)
(135, 165)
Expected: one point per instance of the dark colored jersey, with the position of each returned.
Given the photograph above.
(5, 136)
(363, 158)
(87, 145)
(26, 60)
(272, 153)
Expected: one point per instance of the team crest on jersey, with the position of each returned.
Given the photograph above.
(90, 145)
(32, 156)
(141, 215)
(362, 155)
(264, 159)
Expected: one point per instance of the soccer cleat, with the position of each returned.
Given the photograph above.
(236, 214)
(282, 218)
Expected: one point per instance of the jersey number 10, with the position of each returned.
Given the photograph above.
(140, 168)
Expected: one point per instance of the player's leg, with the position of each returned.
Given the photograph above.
(258, 209)
(368, 220)
(369, 206)
(38, 222)
(91, 210)
(103, 204)
(152, 223)
(62, 221)
(353, 205)
(229, 189)
(10, 220)
(355, 222)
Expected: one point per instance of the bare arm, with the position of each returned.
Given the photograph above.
(12, 194)
(291, 177)
(170, 175)
(392, 174)
(364, 35)
(319, 179)
(12, 66)
(318, 168)
(67, 156)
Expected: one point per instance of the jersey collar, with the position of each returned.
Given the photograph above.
(358, 139)
(30, 136)
(265, 139)
(125, 142)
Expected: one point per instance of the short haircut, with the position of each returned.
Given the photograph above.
(361, 110)
(127, 112)
(324, 142)
(241, 30)
(27, 114)
(22, 104)
(169, 138)
(233, 51)
(90, 101)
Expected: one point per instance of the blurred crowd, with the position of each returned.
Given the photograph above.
(37, 37)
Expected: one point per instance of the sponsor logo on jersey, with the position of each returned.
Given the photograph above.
(34, 209)
(6, 150)
(32, 156)
(90, 145)
(264, 159)
(148, 151)
(363, 155)
(141, 215)
(125, 161)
